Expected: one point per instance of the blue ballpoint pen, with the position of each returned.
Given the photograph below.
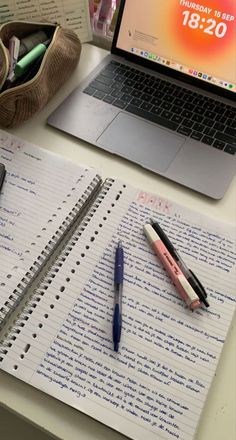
(118, 284)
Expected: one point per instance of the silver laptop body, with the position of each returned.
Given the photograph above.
(206, 165)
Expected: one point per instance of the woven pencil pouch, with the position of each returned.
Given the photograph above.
(18, 103)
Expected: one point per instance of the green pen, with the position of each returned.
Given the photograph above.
(30, 57)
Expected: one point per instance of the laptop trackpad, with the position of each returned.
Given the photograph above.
(142, 142)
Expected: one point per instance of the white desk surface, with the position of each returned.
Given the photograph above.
(58, 419)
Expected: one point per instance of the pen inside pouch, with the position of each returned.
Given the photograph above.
(27, 76)
(34, 39)
(30, 72)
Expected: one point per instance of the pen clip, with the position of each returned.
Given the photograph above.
(199, 283)
(2, 174)
(119, 265)
(200, 291)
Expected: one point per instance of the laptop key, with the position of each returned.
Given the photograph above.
(189, 106)
(197, 118)
(225, 138)
(176, 109)
(108, 73)
(111, 67)
(109, 99)
(116, 63)
(117, 93)
(219, 144)
(230, 113)
(156, 101)
(219, 126)
(177, 118)
(207, 140)
(101, 87)
(150, 82)
(158, 94)
(119, 78)
(104, 80)
(220, 118)
(187, 123)
(126, 89)
(121, 70)
(231, 131)
(218, 109)
(187, 114)
(179, 94)
(129, 82)
(198, 127)
(136, 93)
(150, 116)
(166, 114)
(208, 122)
(117, 86)
(148, 90)
(198, 100)
(125, 97)
(230, 149)
(138, 78)
(136, 101)
(179, 102)
(199, 110)
(209, 114)
(89, 90)
(119, 103)
(188, 98)
(196, 135)
(210, 131)
(209, 106)
(139, 86)
(99, 95)
(147, 106)
(168, 98)
(184, 130)
(165, 105)
(130, 75)
(157, 110)
(147, 97)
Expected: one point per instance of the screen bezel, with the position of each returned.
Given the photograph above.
(220, 91)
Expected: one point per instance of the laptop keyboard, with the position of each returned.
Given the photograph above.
(176, 108)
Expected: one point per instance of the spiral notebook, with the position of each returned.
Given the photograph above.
(42, 194)
(58, 338)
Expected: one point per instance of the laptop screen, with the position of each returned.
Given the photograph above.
(195, 38)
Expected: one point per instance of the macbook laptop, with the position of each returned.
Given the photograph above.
(164, 97)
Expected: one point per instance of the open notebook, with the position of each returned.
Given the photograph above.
(59, 338)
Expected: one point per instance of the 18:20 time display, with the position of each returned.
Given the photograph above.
(209, 25)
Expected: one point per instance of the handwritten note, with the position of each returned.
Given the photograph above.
(157, 383)
(73, 14)
(39, 192)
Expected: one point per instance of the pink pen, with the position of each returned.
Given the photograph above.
(184, 288)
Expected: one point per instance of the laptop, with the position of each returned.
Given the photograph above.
(164, 97)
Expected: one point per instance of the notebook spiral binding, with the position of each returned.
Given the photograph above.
(38, 293)
(16, 296)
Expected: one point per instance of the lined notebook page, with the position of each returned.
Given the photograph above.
(39, 192)
(72, 14)
(157, 383)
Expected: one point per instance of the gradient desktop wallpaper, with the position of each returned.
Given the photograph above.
(199, 35)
